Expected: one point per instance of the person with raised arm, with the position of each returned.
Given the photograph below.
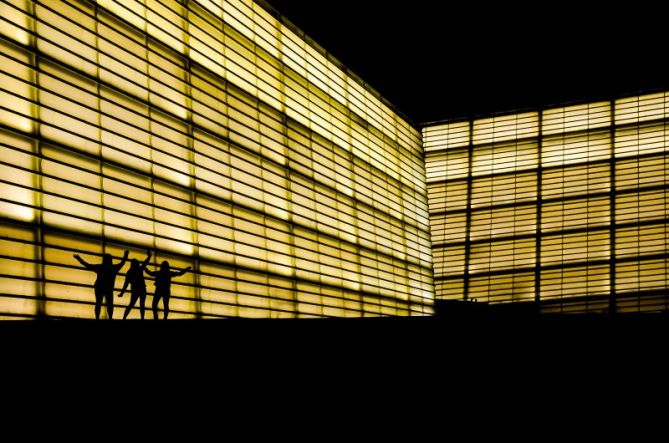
(163, 284)
(135, 279)
(104, 283)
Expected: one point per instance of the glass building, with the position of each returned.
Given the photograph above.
(217, 135)
(562, 206)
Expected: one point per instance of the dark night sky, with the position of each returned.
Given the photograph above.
(440, 59)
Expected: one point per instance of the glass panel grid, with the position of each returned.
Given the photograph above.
(213, 135)
(564, 206)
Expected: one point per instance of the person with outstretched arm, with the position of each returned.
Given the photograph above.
(135, 279)
(163, 283)
(104, 283)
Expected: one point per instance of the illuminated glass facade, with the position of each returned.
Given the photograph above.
(565, 206)
(219, 137)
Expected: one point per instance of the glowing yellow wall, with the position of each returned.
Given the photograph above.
(215, 135)
(566, 206)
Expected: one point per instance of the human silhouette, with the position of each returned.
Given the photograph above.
(104, 283)
(163, 282)
(135, 278)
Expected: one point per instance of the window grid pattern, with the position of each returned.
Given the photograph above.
(563, 206)
(213, 134)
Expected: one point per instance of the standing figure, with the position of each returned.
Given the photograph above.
(163, 282)
(135, 278)
(104, 283)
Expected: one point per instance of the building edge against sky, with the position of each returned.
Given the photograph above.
(565, 206)
(214, 135)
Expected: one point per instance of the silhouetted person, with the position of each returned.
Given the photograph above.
(135, 278)
(163, 282)
(104, 284)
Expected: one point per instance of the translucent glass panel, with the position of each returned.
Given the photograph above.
(576, 118)
(71, 197)
(451, 259)
(20, 271)
(642, 172)
(572, 148)
(641, 206)
(449, 289)
(506, 127)
(166, 125)
(646, 240)
(503, 222)
(574, 214)
(446, 197)
(448, 228)
(642, 108)
(17, 22)
(558, 183)
(579, 247)
(452, 135)
(127, 205)
(447, 165)
(567, 206)
(69, 109)
(504, 157)
(647, 138)
(504, 189)
(504, 288)
(17, 90)
(504, 254)
(576, 281)
(642, 275)
(18, 182)
(67, 32)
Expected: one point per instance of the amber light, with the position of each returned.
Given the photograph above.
(211, 133)
(564, 206)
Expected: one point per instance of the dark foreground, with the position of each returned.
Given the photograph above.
(341, 371)
(430, 340)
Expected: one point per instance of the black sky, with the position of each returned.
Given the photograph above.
(439, 59)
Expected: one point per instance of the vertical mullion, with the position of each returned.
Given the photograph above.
(612, 202)
(194, 225)
(538, 217)
(39, 206)
(98, 84)
(468, 218)
(149, 107)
